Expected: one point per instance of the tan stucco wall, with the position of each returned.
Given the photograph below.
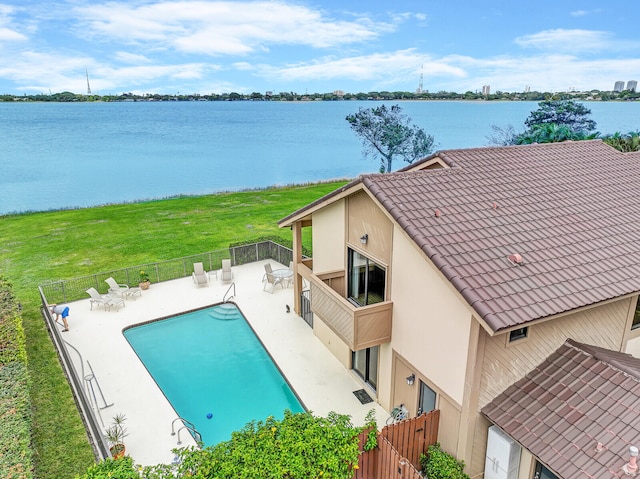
(633, 347)
(364, 216)
(328, 236)
(431, 325)
(333, 343)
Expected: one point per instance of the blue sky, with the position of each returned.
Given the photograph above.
(312, 46)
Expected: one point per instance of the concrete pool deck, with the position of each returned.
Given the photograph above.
(320, 381)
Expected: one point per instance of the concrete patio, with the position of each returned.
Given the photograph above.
(320, 381)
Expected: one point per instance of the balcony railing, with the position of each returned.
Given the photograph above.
(359, 327)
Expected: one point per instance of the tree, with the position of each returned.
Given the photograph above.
(503, 136)
(624, 142)
(299, 446)
(552, 133)
(386, 133)
(567, 113)
(553, 121)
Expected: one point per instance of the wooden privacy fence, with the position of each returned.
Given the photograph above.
(399, 448)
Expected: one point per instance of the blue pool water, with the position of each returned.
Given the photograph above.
(210, 361)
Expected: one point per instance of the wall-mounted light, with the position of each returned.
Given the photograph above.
(364, 238)
(411, 379)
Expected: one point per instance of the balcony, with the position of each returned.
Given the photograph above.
(359, 327)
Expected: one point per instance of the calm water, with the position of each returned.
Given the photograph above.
(62, 155)
(210, 362)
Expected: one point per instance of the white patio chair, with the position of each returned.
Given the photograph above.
(115, 288)
(271, 280)
(200, 276)
(227, 274)
(267, 269)
(106, 300)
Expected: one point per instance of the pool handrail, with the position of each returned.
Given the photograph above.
(224, 298)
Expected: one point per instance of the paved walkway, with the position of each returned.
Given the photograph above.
(315, 374)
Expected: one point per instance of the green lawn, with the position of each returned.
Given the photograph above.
(64, 244)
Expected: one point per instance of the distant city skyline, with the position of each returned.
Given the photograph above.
(185, 47)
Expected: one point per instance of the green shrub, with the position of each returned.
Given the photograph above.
(12, 345)
(300, 446)
(122, 468)
(438, 464)
(16, 458)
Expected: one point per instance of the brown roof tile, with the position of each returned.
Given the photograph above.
(561, 426)
(564, 207)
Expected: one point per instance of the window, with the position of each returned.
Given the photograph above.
(636, 316)
(519, 333)
(366, 280)
(365, 363)
(543, 473)
(427, 401)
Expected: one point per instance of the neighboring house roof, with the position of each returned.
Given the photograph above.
(577, 412)
(570, 211)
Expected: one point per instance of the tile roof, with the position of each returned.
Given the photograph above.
(578, 397)
(570, 210)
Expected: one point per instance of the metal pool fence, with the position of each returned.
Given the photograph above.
(73, 289)
(67, 290)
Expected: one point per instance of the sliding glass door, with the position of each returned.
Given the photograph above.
(365, 364)
(366, 280)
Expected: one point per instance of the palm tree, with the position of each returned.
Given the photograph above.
(552, 133)
(624, 142)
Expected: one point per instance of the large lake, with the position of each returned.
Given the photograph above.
(65, 155)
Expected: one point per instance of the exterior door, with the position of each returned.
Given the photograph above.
(427, 401)
(365, 363)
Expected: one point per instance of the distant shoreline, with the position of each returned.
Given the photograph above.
(292, 97)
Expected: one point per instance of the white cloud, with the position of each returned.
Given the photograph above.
(566, 40)
(243, 66)
(223, 28)
(9, 32)
(132, 58)
(552, 72)
(391, 67)
(8, 35)
(583, 13)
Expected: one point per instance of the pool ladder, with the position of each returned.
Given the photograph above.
(189, 426)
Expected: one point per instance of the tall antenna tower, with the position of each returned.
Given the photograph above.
(88, 86)
(420, 90)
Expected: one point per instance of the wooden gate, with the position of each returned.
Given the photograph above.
(399, 448)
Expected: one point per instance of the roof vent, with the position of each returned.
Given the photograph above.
(495, 205)
(515, 258)
(631, 468)
(437, 213)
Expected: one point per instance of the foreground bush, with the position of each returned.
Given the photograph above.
(16, 460)
(438, 464)
(300, 446)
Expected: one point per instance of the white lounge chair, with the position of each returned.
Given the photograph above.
(106, 300)
(200, 276)
(115, 288)
(227, 274)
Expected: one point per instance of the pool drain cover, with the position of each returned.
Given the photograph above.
(362, 396)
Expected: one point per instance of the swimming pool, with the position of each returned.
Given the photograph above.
(210, 362)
